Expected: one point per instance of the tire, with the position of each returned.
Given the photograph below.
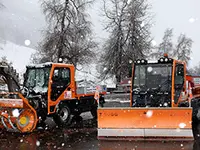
(62, 116)
(195, 110)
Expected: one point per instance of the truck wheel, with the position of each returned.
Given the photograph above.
(195, 110)
(62, 116)
(94, 112)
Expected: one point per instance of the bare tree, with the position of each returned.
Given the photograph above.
(69, 35)
(194, 70)
(183, 48)
(138, 24)
(128, 24)
(8, 75)
(114, 52)
(1, 5)
(166, 46)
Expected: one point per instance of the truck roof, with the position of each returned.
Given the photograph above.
(42, 65)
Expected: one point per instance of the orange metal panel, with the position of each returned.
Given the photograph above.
(169, 118)
(17, 103)
(12, 103)
(71, 86)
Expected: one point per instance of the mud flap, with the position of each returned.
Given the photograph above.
(16, 114)
(145, 123)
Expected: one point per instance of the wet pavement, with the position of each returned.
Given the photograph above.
(82, 135)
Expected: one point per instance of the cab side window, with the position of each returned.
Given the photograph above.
(61, 76)
(179, 74)
(179, 81)
(60, 81)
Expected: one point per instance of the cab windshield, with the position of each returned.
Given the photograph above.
(37, 77)
(152, 76)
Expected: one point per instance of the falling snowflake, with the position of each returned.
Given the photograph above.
(192, 20)
(181, 145)
(149, 113)
(165, 104)
(27, 42)
(21, 140)
(63, 144)
(153, 42)
(182, 125)
(149, 69)
(142, 24)
(38, 143)
(15, 112)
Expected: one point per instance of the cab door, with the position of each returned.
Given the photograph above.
(60, 82)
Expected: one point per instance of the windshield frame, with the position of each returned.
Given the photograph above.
(35, 71)
(146, 80)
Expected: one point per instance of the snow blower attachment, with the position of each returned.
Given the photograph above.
(160, 104)
(16, 114)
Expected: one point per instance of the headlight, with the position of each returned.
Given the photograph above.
(138, 61)
(161, 60)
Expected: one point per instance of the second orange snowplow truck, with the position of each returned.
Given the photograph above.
(49, 90)
(164, 103)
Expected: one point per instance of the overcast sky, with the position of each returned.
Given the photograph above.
(23, 19)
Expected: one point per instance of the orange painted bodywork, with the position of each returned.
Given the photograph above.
(173, 78)
(71, 86)
(172, 117)
(173, 81)
(139, 118)
(8, 105)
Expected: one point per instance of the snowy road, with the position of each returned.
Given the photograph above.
(82, 135)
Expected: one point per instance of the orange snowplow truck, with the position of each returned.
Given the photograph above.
(48, 90)
(164, 103)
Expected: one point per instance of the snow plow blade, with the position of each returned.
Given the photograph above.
(145, 123)
(16, 115)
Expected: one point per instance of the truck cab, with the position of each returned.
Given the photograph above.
(51, 89)
(158, 84)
